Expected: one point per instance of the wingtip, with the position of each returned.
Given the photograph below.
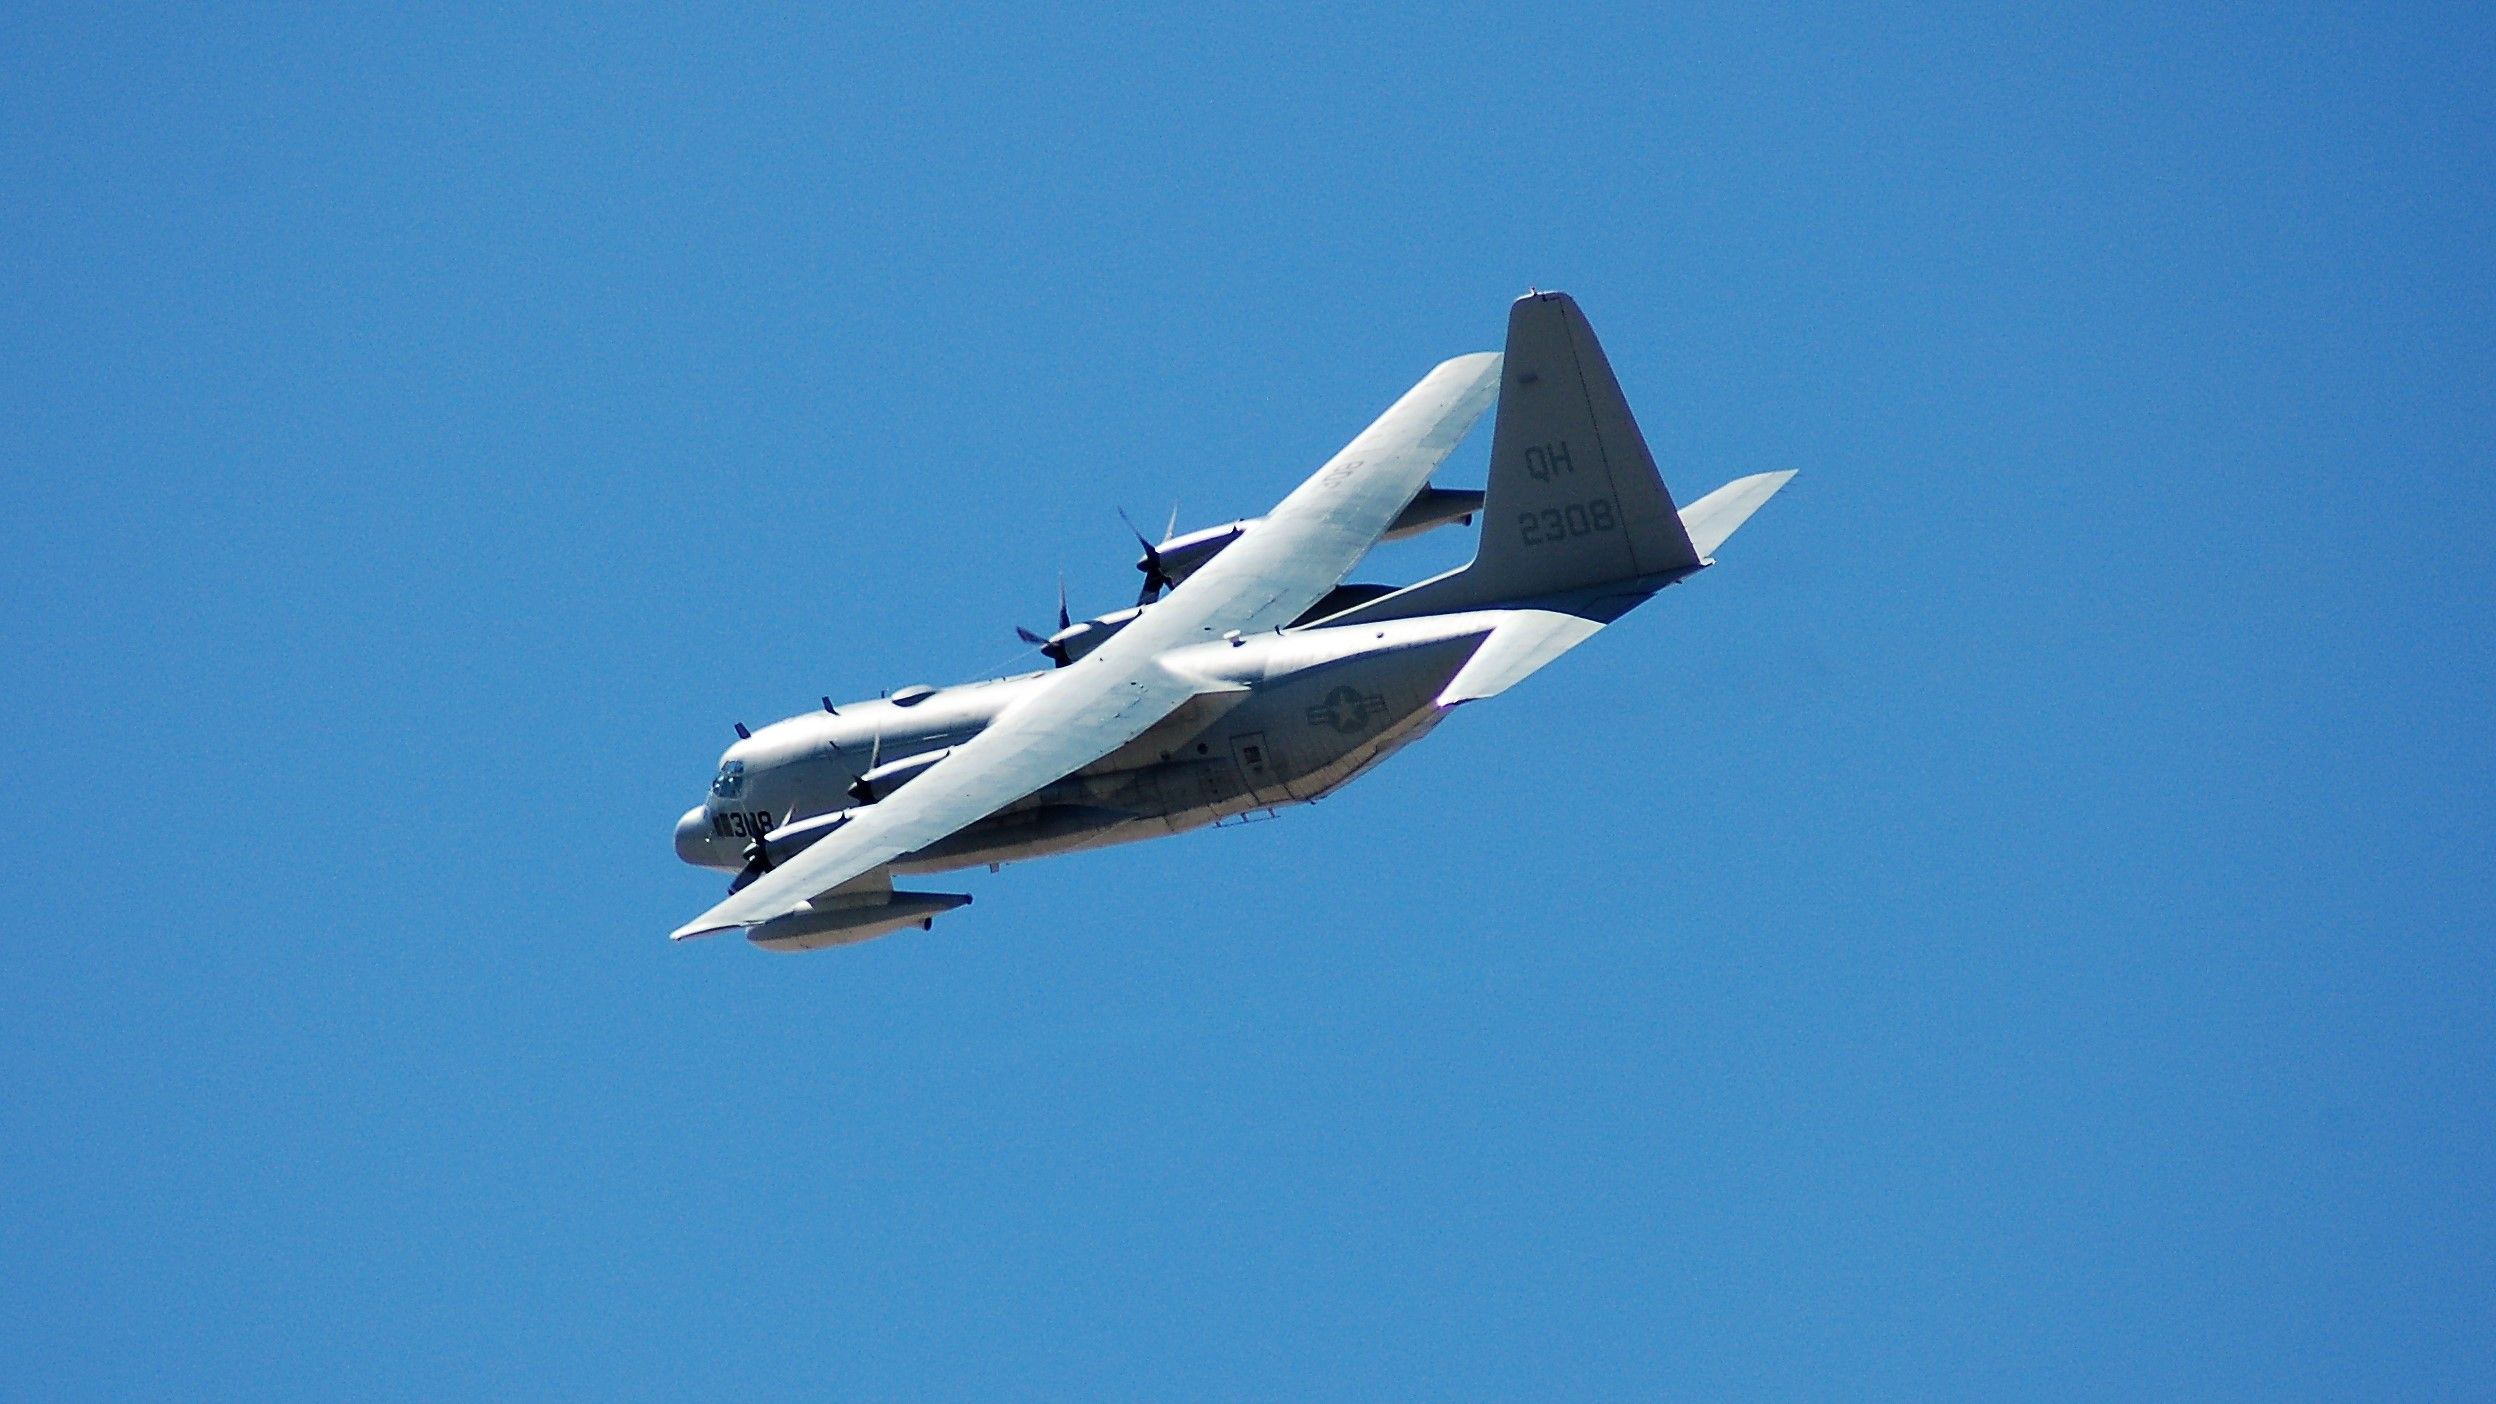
(1713, 519)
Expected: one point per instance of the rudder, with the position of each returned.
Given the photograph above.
(1574, 502)
(1574, 498)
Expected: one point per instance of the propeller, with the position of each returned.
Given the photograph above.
(859, 789)
(1054, 652)
(1156, 579)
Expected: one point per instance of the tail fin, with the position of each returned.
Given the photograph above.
(1574, 498)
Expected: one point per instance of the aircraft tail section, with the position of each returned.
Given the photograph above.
(1574, 502)
(1574, 497)
(1575, 516)
(1721, 513)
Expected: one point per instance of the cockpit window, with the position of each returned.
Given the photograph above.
(731, 781)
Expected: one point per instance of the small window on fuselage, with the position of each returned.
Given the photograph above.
(731, 781)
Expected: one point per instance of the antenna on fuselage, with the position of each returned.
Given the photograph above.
(827, 706)
(859, 789)
(742, 733)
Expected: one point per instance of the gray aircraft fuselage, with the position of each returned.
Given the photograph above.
(1155, 722)
(1310, 709)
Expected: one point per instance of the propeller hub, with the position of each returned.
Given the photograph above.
(1052, 648)
(1156, 579)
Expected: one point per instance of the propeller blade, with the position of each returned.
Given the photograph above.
(757, 863)
(859, 789)
(1054, 652)
(1155, 581)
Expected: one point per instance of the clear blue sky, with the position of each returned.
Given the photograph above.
(2021, 929)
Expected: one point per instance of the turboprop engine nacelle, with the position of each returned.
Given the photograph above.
(1433, 507)
(892, 775)
(1076, 640)
(786, 842)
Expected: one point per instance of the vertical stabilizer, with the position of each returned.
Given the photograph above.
(1574, 501)
(1574, 497)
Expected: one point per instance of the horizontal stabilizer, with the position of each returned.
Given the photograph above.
(1525, 641)
(1721, 513)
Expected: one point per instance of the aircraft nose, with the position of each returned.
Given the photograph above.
(693, 835)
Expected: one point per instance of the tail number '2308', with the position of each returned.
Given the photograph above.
(1556, 524)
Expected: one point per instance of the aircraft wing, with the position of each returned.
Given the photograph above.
(1278, 569)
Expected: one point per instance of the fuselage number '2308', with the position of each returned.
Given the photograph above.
(1560, 523)
(1544, 462)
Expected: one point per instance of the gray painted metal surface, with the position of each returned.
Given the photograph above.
(1254, 684)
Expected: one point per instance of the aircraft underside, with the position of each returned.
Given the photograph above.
(1240, 774)
(1293, 741)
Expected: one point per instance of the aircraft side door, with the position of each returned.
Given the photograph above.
(1259, 769)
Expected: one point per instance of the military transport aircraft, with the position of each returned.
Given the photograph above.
(1258, 680)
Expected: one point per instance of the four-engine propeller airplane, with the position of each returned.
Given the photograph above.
(1259, 680)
